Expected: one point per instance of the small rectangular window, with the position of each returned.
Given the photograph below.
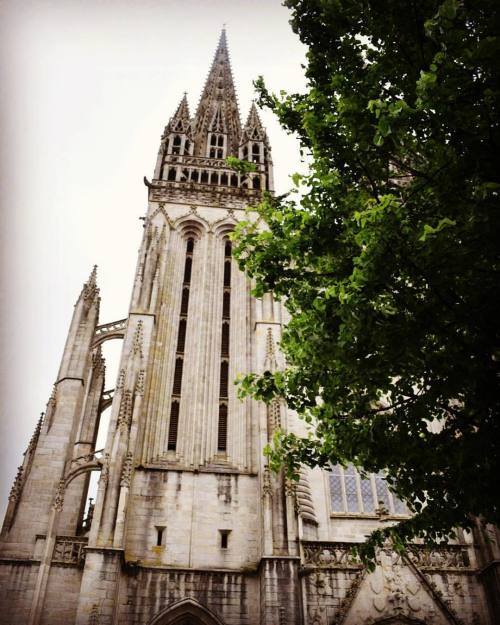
(160, 532)
(224, 538)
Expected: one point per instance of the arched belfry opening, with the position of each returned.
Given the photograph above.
(186, 612)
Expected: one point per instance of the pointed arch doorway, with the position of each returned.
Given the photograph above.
(186, 612)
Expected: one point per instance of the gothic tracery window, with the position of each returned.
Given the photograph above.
(352, 493)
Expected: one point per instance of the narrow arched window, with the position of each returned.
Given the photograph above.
(187, 270)
(226, 305)
(185, 301)
(256, 153)
(224, 348)
(224, 377)
(181, 337)
(222, 429)
(227, 273)
(181, 344)
(174, 425)
(176, 389)
(224, 351)
(176, 145)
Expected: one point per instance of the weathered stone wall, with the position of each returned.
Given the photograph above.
(193, 508)
(61, 598)
(232, 597)
(280, 592)
(17, 584)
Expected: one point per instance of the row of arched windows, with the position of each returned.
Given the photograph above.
(211, 177)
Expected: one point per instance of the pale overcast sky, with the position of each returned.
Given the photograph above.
(86, 89)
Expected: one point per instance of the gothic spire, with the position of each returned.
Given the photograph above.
(218, 105)
(90, 287)
(253, 129)
(181, 120)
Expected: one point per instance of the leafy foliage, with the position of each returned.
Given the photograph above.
(389, 263)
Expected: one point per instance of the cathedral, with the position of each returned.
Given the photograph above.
(189, 526)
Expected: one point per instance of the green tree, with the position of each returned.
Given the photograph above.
(388, 261)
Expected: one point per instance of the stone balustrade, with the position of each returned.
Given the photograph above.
(69, 550)
(340, 555)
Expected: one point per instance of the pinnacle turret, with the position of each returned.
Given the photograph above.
(181, 120)
(253, 129)
(90, 288)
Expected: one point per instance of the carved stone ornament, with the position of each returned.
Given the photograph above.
(291, 488)
(105, 470)
(126, 470)
(273, 417)
(139, 385)
(330, 555)
(137, 340)
(266, 483)
(270, 361)
(121, 379)
(94, 615)
(125, 413)
(15, 491)
(36, 434)
(59, 496)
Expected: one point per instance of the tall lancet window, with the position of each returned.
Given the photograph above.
(224, 351)
(181, 343)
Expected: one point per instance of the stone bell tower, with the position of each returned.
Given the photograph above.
(189, 526)
(183, 522)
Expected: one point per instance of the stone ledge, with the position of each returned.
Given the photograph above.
(27, 561)
(206, 469)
